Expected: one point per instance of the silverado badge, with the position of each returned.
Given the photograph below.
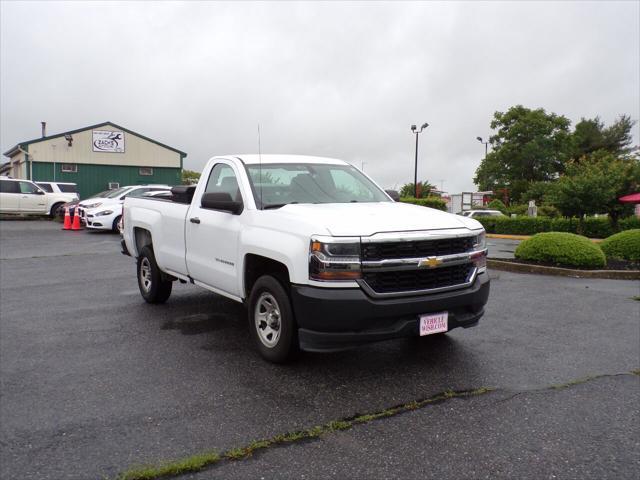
(430, 262)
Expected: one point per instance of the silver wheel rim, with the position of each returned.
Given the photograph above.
(145, 274)
(268, 320)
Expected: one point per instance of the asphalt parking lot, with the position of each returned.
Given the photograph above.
(94, 381)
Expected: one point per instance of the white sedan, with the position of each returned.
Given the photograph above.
(107, 216)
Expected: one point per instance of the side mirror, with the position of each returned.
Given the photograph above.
(221, 201)
(39, 192)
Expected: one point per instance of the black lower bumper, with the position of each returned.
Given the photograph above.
(337, 319)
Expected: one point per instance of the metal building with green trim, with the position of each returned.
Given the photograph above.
(97, 158)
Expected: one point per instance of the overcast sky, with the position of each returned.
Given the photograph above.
(343, 80)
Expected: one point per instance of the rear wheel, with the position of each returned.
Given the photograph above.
(271, 321)
(153, 287)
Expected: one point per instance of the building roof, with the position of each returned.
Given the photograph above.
(12, 151)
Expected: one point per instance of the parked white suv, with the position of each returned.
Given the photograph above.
(105, 213)
(24, 196)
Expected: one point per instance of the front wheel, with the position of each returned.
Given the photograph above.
(114, 226)
(153, 287)
(271, 321)
(54, 210)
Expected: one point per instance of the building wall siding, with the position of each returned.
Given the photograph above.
(95, 178)
(138, 151)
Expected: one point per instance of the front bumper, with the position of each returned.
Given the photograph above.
(101, 222)
(337, 319)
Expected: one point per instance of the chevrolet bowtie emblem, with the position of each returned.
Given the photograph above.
(430, 262)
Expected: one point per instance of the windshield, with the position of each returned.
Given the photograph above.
(281, 184)
(117, 192)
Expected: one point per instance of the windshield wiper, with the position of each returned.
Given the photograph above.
(277, 205)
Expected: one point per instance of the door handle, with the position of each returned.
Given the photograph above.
(194, 220)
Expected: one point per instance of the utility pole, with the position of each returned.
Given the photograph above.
(415, 130)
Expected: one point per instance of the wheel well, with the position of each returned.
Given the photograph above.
(54, 207)
(143, 238)
(256, 265)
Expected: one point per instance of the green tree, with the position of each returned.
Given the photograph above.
(529, 145)
(189, 177)
(590, 135)
(538, 191)
(593, 185)
(424, 189)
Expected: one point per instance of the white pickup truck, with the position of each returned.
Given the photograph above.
(321, 256)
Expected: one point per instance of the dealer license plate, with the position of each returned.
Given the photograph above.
(434, 323)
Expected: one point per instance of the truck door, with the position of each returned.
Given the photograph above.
(212, 235)
(32, 198)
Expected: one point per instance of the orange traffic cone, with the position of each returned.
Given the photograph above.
(76, 221)
(67, 219)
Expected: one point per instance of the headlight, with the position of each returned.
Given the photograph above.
(479, 254)
(480, 242)
(105, 212)
(334, 258)
(93, 205)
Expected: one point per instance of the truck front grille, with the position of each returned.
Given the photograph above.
(416, 249)
(416, 280)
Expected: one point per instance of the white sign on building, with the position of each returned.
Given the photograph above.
(108, 141)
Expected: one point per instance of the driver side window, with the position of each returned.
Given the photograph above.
(28, 187)
(223, 180)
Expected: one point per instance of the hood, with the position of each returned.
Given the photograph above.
(101, 200)
(365, 219)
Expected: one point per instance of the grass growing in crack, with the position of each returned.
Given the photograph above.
(572, 383)
(189, 464)
(200, 461)
(636, 298)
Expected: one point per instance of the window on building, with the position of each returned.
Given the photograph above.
(70, 168)
(145, 171)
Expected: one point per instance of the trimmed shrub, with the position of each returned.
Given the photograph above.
(592, 227)
(548, 211)
(497, 204)
(561, 249)
(517, 209)
(623, 245)
(431, 202)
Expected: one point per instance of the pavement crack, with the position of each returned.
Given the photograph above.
(203, 460)
(571, 383)
(208, 459)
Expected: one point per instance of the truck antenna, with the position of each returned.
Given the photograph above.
(260, 167)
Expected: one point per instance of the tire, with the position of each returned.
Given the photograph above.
(54, 209)
(271, 321)
(114, 226)
(153, 288)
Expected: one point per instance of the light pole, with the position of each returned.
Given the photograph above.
(415, 130)
(485, 145)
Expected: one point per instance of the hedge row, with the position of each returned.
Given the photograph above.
(592, 227)
(432, 202)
